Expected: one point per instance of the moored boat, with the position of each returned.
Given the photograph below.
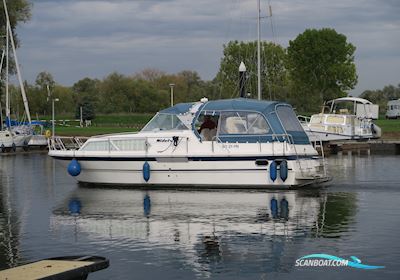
(347, 118)
(251, 144)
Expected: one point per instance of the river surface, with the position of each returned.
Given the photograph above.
(219, 234)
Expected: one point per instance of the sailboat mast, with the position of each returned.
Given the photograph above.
(21, 84)
(1, 107)
(7, 68)
(258, 52)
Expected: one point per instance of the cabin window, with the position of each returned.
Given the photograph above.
(335, 119)
(98, 146)
(349, 120)
(288, 118)
(165, 122)
(316, 119)
(130, 144)
(243, 123)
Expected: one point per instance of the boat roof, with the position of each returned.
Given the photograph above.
(240, 104)
(351, 99)
(236, 104)
(266, 108)
(178, 109)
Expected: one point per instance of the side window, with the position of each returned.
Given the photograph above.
(288, 118)
(242, 123)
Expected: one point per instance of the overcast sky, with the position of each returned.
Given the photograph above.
(73, 39)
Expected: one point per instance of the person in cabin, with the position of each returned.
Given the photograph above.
(207, 123)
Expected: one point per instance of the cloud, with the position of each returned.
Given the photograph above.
(75, 39)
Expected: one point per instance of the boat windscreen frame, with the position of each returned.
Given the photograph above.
(173, 129)
(284, 128)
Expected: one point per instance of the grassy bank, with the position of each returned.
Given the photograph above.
(389, 125)
(390, 128)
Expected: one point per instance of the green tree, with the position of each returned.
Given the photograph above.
(273, 71)
(18, 11)
(44, 79)
(321, 66)
(66, 103)
(86, 91)
(382, 96)
(116, 94)
(87, 110)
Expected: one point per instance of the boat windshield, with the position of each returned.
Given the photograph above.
(164, 122)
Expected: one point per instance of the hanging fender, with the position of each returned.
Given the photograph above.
(283, 170)
(146, 171)
(273, 170)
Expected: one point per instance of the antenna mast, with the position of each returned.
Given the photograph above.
(258, 52)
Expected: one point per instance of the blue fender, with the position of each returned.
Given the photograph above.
(283, 170)
(146, 171)
(273, 171)
(146, 205)
(74, 206)
(74, 168)
(274, 208)
(284, 213)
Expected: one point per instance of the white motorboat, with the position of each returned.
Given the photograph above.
(349, 118)
(252, 144)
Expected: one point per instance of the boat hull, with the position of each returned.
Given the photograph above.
(201, 172)
(17, 140)
(38, 141)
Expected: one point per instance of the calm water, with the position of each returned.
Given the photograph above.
(181, 234)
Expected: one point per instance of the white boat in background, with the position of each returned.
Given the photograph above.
(9, 140)
(348, 118)
(253, 144)
(18, 136)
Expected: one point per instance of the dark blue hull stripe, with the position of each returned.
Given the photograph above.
(183, 170)
(189, 158)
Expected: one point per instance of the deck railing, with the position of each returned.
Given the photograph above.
(66, 143)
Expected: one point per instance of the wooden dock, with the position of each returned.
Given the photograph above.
(374, 146)
(66, 268)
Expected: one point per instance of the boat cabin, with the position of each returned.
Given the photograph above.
(232, 120)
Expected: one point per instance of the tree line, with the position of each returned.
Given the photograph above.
(317, 65)
(382, 96)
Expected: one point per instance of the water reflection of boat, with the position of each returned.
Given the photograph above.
(206, 227)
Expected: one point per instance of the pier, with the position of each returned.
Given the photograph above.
(374, 146)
